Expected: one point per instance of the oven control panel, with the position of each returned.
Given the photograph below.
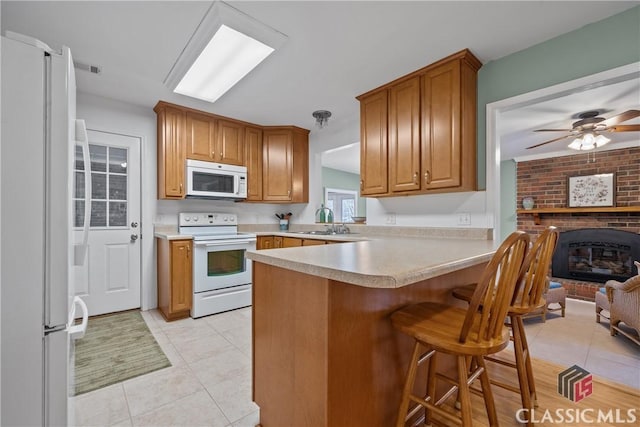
(192, 219)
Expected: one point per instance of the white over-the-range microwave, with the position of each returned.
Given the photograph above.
(216, 180)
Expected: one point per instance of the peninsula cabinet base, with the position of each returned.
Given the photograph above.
(325, 353)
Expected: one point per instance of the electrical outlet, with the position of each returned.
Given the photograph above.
(391, 218)
(464, 219)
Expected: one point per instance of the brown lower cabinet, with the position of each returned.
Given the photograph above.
(271, 242)
(175, 287)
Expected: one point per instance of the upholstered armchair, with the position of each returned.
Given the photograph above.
(624, 301)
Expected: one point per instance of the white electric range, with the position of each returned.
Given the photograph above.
(221, 270)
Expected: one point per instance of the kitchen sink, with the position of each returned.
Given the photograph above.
(321, 233)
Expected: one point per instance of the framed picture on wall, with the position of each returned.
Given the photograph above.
(591, 190)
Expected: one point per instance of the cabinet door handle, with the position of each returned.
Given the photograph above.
(188, 251)
(181, 187)
(427, 177)
(361, 185)
(415, 178)
(289, 193)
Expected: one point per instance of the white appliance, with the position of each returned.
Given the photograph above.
(221, 269)
(38, 304)
(216, 180)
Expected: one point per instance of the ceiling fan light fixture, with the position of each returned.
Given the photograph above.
(601, 140)
(588, 141)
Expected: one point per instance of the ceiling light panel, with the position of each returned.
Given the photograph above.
(225, 47)
(229, 56)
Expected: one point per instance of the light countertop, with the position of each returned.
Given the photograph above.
(380, 261)
(372, 260)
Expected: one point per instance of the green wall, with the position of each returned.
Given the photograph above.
(597, 47)
(508, 202)
(334, 178)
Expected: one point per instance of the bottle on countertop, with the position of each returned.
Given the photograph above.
(322, 215)
(330, 217)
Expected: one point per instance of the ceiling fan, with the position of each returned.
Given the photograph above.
(591, 124)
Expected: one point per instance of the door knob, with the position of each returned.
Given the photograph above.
(134, 237)
(134, 224)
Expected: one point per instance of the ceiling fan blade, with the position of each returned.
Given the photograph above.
(553, 130)
(625, 128)
(549, 142)
(623, 117)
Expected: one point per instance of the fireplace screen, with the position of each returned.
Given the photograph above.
(600, 258)
(596, 255)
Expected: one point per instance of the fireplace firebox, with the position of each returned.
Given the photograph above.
(596, 255)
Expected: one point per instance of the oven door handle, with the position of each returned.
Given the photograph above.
(224, 242)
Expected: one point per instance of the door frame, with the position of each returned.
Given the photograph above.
(143, 228)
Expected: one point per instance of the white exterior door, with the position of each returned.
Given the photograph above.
(110, 279)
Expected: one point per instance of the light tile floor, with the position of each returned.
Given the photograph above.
(209, 382)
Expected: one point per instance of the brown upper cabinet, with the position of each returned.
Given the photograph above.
(418, 133)
(230, 142)
(214, 140)
(171, 151)
(201, 137)
(253, 158)
(285, 161)
(373, 144)
(277, 158)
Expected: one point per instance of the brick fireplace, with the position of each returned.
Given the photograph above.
(545, 180)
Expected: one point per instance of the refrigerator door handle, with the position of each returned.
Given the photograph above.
(77, 331)
(80, 250)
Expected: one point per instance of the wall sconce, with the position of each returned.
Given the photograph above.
(589, 141)
(322, 117)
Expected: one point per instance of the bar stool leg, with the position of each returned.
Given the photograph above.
(527, 356)
(408, 386)
(464, 394)
(431, 388)
(486, 392)
(523, 379)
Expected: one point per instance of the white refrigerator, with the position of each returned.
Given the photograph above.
(39, 132)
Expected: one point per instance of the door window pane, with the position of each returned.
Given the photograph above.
(98, 186)
(348, 209)
(98, 155)
(79, 185)
(98, 213)
(117, 187)
(78, 216)
(108, 186)
(117, 214)
(79, 161)
(117, 160)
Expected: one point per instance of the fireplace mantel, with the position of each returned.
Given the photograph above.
(541, 211)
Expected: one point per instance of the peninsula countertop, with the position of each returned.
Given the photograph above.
(381, 261)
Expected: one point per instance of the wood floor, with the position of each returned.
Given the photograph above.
(609, 397)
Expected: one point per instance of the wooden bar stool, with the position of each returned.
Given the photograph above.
(467, 334)
(526, 300)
